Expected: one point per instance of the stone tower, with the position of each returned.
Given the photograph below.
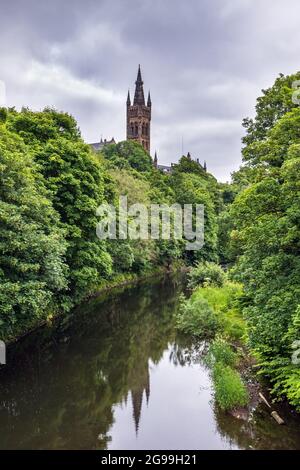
(139, 115)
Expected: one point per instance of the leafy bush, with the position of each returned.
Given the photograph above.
(206, 273)
(285, 377)
(197, 318)
(229, 388)
(221, 351)
(225, 302)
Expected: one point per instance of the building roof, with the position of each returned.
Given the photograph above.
(99, 145)
(165, 168)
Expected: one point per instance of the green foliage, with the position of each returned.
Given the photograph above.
(33, 279)
(192, 189)
(39, 127)
(196, 317)
(220, 351)
(206, 273)
(266, 215)
(187, 165)
(266, 234)
(128, 154)
(229, 388)
(213, 308)
(51, 186)
(131, 184)
(225, 301)
(285, 377)
(3, 115)
(274, 103)
(74, 178)
(225, 226)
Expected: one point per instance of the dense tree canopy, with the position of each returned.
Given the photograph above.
(51, 258)
(266, 216)
(51, 186)
(128, 154)
(33, 274)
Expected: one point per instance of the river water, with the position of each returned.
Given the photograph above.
(116, 375)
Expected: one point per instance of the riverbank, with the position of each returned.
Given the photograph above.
(213, 312)
(117, 375)
(118, 282)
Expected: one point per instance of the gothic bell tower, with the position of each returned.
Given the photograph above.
(139, 115)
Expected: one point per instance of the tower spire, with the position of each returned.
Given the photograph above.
(139, 98)
(138, 116)
(128, 102)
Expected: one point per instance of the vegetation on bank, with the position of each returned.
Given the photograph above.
(213, 312)
(212, 309)
(266, 235)
(229, 389)
(51, 186)
(259, 239)
(51, 258)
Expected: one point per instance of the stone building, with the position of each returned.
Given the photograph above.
(98, 146)
(138, 120)
(139, 115)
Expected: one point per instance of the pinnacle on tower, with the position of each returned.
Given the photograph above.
(139, 98)
(139, 75)
(155, 159)
(128, 99)
(149, 103)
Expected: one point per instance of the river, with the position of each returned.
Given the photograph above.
(114, 374)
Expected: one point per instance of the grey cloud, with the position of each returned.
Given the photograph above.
(205, 62)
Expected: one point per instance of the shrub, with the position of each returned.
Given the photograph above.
(197, 318)
(206, 274)
(284, 376)
(225, 302)
(220, 351)
(230, 390)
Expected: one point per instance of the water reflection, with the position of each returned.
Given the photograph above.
(115, 375)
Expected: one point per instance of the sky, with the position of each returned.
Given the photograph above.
(205, 62)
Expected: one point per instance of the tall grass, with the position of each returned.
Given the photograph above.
(229, 388)
(220, 351)
(208, 311)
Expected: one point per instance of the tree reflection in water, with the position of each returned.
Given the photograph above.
(62, 384)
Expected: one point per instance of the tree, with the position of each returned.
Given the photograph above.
(267, 222)
(75, 179)
(189, 188)
(128, 154)
(33, 275)
(274, 103)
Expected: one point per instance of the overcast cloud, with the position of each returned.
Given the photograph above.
(205, 62)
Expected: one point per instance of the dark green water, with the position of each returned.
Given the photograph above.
(115, 375)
